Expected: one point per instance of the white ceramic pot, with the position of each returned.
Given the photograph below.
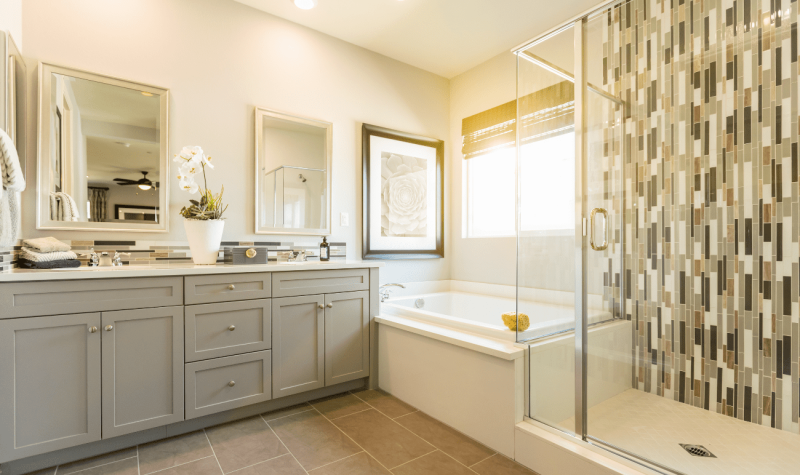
(205, 238)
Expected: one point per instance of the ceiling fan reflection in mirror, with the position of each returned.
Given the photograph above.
(143, 183)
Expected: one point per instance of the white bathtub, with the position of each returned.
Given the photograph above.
(464, 308)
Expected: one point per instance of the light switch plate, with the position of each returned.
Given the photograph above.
(345, 220)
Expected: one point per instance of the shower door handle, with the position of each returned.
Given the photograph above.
(603, 246)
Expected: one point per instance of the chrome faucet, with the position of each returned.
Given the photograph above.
(105, 260)
(385, 291)
(297, 256)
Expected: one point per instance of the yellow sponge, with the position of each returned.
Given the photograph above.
(510, 320)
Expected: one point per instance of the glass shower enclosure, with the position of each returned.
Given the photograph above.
(657, 200)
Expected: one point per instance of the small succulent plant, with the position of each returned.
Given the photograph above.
(192, 160)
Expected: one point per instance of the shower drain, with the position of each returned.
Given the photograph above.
(697, 450)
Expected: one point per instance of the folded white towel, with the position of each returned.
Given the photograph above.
(31, 255)
(46, 244)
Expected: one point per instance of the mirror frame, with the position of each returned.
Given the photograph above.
(43, 220)
(260, 113)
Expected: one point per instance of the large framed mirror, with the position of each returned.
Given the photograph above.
(103, 145)
(12, 95)
(293, 174)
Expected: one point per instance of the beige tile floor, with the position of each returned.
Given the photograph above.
(652, 426)
(356, 433)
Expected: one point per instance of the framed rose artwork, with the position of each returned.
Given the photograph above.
(403, 186)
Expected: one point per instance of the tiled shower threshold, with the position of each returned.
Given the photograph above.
(653, 427)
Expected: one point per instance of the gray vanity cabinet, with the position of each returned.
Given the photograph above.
(346, 336)
(142, 369)
(298, 339)
(57, 404)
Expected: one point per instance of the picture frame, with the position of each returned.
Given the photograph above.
(402, 195)
(122, 211)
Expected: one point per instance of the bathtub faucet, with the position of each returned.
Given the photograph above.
(384, 290)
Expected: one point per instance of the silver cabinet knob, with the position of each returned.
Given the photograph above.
(321, 306)
(92, 329)
(232, 384)
(231, 287)
(232, 328)
(330, 305)
(108, 328)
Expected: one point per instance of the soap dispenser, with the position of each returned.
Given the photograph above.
(324, 250)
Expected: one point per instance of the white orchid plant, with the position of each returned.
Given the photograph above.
(192, 161)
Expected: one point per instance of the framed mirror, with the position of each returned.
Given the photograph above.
(293, 174)
(12, 95)
(103, 145)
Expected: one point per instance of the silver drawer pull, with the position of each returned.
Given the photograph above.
(330, 305)
(232, 328)
(92, 329)
(321, 306)
(232, 384)
(108, 328)
(231, 287)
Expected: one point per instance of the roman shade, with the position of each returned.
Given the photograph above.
(545, 113)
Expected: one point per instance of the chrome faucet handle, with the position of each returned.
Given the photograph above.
(117, 262)
(94, 259)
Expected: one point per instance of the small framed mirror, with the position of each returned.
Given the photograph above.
(102, 161)
(293, 174)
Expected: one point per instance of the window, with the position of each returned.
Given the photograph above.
(547, 185)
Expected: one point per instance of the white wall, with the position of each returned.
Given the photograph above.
(220, 59)
(11, 19)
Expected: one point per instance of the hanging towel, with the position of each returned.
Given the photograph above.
(70, 209)
(26, 264)
(13, 182)
(46, 244)
(31, 255)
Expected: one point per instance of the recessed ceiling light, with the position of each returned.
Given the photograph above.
(305, 4)
(148, 94)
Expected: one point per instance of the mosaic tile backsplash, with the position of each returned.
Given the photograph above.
(712, 213)
(145, 253)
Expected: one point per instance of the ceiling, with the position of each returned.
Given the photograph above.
(445, 37)
(119, 105)
(107, 158)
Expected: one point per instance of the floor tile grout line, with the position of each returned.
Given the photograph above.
(417, 458)
(479, 461)
(329, 463)
(357, 444)
(311, 408)
(259, 463)
(138, 465)
(284, 445)
(458, 461)
(387, 415)
(102, 464)
(213, 451)
(404, 415)
(347, 415)
(178, 465)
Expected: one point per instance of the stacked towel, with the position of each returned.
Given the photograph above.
(46, 253)
(13, 182)
(46, 244)
(63, 207)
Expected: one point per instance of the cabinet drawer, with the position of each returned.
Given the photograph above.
(227, 288)
(225, 329)
(33, 299)
(227, 383)
(292, 284)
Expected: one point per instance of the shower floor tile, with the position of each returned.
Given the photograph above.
(652, 427)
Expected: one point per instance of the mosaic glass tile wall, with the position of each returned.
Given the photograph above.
(712, 208)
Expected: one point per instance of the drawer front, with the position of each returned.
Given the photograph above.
(227, 288)
(33, 299)
(292, 284)
(226, 329)
(227, 383)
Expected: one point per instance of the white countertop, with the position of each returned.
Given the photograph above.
(76, 273)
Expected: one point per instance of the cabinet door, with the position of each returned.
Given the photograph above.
(49, 384)
(298, 354)
(346, 337)
(142, 369)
